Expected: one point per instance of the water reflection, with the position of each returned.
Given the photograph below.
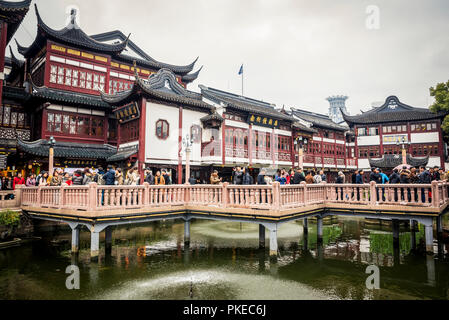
(224, 261)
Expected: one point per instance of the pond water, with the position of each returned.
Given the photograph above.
(149, 261)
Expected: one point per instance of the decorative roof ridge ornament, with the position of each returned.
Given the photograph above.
(14, 59)
(68, 35)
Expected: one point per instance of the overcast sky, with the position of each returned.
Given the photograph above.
(295, 53)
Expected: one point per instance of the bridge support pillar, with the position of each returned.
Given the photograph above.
(413, 229)
(186, 233)
(439, 227)
(75, 238)
(273, 242)
(261, 236)
(428, 230)
(319, 229)
(94, 244)
(395, 226)
(108, 239)
(273, 227)
(305, 225)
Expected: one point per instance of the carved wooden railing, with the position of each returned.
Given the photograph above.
(271, 198)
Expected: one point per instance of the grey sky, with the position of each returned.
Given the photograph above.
(294, 52)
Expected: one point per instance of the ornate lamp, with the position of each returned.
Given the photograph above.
(52, 143)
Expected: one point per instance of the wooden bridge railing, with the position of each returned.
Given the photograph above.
(273, 197)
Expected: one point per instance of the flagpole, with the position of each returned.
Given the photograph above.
(243, 71)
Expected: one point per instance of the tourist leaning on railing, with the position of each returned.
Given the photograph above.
(31, 181)
(119, 177)
(214, 178)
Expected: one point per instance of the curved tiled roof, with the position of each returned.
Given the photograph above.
(155, 87)
(392, 111)
(68, 149)
(192, 76)
(242, 103)
(146, 60)
(302, 127)
(68, 97)
(13, 12)
(392, 161)
(212, 116)
(72, 35)
(317, 120)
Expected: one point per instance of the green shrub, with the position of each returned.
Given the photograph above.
(9, 218)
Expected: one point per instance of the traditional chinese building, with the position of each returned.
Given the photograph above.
(382, 132)
(14, 118)
(331, 146)
(55, 91)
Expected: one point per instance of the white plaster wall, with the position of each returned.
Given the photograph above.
(262, 129)
(368, 141)
(424, 137)
(364, 164)
(283, 132)
(237, 124)
(434, 161)
(189, 118)
(155, 147)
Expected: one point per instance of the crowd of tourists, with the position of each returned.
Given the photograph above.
(240, 176)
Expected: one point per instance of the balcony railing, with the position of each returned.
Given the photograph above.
(268, 198)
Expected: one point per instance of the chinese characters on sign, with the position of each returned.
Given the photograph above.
(263, 121)
(127, 113)
(394, 138)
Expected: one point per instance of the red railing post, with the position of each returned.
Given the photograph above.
(61, 196)
(372, 192)
(225, 195)
(18, 195)
(92, 197)
(304, 197)
(146, 193)
(276, 196)
(435, 194)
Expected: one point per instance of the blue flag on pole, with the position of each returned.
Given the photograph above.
(241, 70)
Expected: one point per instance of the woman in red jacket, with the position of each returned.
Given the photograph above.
(18, 180)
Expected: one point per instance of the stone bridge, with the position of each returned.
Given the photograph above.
(99, 207)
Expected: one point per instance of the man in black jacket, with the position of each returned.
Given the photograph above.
(261, 177)
(238, 176)
(424, 178)
(298, 177)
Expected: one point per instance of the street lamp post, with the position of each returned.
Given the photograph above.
(52, 143)
(300, 142)
(404, 150)
(187, 142)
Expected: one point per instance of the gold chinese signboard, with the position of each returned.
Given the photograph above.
(263, 121)
(127, 113)
(395, 138)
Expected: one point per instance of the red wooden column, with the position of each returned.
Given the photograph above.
(4, 29)
(273, 146)
(335, 151)
(440, 144)
(381, 142)
(141, 153)
(292, 151)
(180, 147)
(250, 144)
(223, 141)
(356, 148)
(322, 149)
